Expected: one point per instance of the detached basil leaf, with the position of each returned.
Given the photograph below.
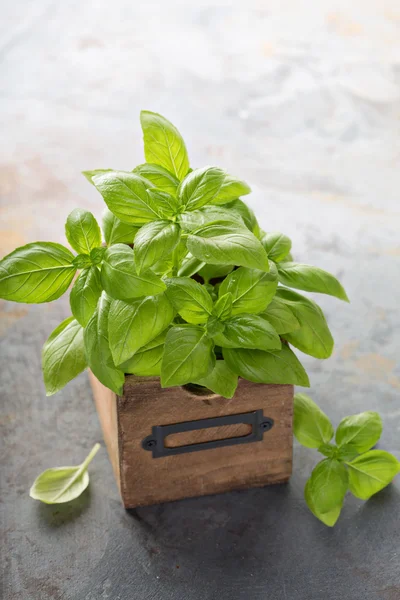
(223, 243)
(280, 316)
(311, 426)
(63, 356)
(252, 290)
(36, 273)
(117, 232)
(191, 221)
(371, 472)
(153, 242)
(97, 348)
(313, 337)
(126, 196)
(248, 331)
(62, 484)
(146, 362)
(159, 177)
(359, 432)
(326, 489)
(85, 295)
(132, 325)
(163, 144)
(200, 187)
(276, 245)
(221, 380)
(267, 367)
(119, 277)
(310, 279)
(223, 307)
(82, 231)
(190, 299)
(240, 208)
(188, 356)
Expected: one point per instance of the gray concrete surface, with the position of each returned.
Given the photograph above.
(300, 98)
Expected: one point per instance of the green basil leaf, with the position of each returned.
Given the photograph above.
(222, 243)
(119, 277)
(97, 255)
(190, 221)
(190, 299)
(231, 189)
(310, 279)
(252, 290)
(153, 242)
(280, 366)
(280, 316)
(36, 273)
(188, 356)
(132, 325)
(161, 178)
(82, 261)
(63, 355)
(82, 231)
(162, 203)
(240, 208)
(97, 348)
(248, 331)
(311, 426)
(313, 337)
(126, 196)
(117, 232)
(62, 484)
(359, 432)
(200, 187)
(326, 489)
(190, 265)
(223, 306)
(146, 362)
(214, 326)
(85, 295)
(371, 472)
(221, 380)
(208, 272)
(163, 144)
(276, 245)
(90, 174)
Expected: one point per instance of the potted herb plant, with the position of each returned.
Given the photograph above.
(183, 312)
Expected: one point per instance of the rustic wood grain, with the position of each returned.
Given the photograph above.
(144, 480)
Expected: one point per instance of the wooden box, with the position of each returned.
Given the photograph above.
(250, 446)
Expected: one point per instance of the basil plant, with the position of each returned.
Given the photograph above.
(180, 283)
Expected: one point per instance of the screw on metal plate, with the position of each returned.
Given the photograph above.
(266, 424)
(149, 443)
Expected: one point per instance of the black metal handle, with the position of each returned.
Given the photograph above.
(259, 423)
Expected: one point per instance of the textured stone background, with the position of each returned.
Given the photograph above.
(300, 98)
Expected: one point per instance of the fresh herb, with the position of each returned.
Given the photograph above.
(350, 464)
(182, 283)
(62, 484)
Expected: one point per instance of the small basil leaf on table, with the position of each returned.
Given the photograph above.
(248, 331)
(85, 294)
(190, 299)
(163, 144)
(222, 242)
(160, 177)
(82, 231)
(146, 362)
(313, 337)
(223, 306)
(326, 489)
(126, 196)
(240, 208)
(134, 324)
(311, 426)
(97, 348)
(280, 316)
(62, 484)
(117, 232)
(221, 380)
(371, 472)
(120, 279)
(36, 273)
(359, 432)
(154, 241)
(310, 279)
(252, 290)
(277, 245)
(267, 367)
(188, 356)
(63, 355)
